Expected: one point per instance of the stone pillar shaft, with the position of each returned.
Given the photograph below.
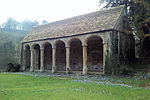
(67, 60)
(32, 66)
(85, 60)
(24, 60)
(42, 59)
(104, 56)
(54, 60)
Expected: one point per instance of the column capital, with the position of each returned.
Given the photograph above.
(85, 45)
(53, 47)
(68, 47)
(104, 43)
(41, 48)
(31, 49)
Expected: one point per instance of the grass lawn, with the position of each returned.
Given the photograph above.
(24, 87)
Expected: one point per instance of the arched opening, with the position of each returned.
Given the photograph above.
(95, 54)
(27, 57)
(76, 55)
(60, 56)
(36, 56)
(146, 47)
(47, 56)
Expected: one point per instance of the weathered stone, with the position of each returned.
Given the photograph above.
(90, 43)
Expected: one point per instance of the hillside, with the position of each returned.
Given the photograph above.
(9, 46)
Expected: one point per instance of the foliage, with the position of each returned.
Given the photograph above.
(113, 3)
(11, 33)
(139, 21)
(13, 67)
(22, 87)
(10, 67)
(13, 25)
(44, 22)
(9, 46)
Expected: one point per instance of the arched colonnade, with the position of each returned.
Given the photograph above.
(84, 53)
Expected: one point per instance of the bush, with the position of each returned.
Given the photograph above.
(13, 67)
(142, 75)
(10, 67)
(126, 71)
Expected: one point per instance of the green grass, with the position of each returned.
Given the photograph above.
(23, 87)
(145, 83)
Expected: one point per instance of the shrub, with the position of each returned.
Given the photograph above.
(13, 67)
(10, 67)
(16, 68)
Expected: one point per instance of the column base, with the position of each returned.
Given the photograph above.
(31, 69)
(85, 71)
(23, 68)
(53, 69)
(42, 69)
(68, 70)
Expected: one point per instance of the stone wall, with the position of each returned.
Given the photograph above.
(127, 49)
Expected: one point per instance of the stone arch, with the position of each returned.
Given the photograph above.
(27, 45)
(60, 55)
(56, 42)
(34, 44)
(94, 53)
(27, 57)
(69, 42)
(146, 46)
(86, 40)
(76, 55)
(36, 56)
(47, 55)
(45, 43)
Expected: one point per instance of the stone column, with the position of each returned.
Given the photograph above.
(42, 59)
(32, 66)
(24, 59)
(104, 56)
(85, 59)
(54, 60)
(67, 60)
(37, 57)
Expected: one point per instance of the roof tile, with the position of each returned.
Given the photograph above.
(100, 20)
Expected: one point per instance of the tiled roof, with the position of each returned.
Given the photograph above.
(95, 21)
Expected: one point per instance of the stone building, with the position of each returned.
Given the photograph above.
(81, 43)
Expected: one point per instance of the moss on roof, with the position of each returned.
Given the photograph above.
(95, 21)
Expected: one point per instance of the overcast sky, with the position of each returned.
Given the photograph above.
(50, 10)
